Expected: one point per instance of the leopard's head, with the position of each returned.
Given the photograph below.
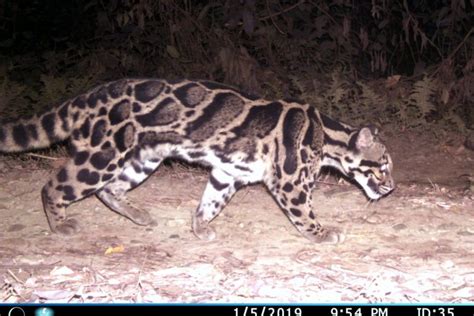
(369, 163)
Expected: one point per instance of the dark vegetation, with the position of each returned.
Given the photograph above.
(408, 63)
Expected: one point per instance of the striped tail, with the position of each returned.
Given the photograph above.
(40, 131)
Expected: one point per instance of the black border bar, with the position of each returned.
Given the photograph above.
(237, 309)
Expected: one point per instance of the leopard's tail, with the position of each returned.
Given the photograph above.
(39, 131)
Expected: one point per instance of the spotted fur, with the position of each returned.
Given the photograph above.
(121, 131)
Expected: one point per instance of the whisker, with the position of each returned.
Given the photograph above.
(368, 203)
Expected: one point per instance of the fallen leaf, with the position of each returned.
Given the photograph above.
(392, 81)
(445, 96)
(117, 249)
(61, 271)
(172, 51)
(54, 294)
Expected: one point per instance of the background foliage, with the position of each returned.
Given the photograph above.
(404, 62)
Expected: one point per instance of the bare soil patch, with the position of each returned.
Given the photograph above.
(416, 245)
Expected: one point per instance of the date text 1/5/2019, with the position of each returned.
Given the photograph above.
(267, 311)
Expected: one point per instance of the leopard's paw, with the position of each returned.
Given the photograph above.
(327, 235)
(203, 231)
(69, 226)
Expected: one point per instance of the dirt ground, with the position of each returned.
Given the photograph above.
(416, 245)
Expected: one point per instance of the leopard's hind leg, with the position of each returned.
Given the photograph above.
(69, 185)
(113, 194)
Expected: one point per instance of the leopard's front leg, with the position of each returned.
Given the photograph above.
(219, 190)
(294, 195)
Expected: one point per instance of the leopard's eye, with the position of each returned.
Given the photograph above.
(375, 175)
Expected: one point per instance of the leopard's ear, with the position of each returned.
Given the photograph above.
(374, 129)
(365, 138)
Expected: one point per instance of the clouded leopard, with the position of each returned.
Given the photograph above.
(121, 131)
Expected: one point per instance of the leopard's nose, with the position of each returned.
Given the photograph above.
(390, 183)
